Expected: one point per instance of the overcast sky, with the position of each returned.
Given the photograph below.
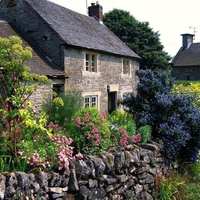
(170, 18)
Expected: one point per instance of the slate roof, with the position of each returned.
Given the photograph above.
(80, 30)
(37, 64)
(188, 57)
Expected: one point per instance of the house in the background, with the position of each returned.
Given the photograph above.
(96, 62)
(186, 63)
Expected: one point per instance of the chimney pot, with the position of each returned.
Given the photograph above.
(187, 40)
(96, 11)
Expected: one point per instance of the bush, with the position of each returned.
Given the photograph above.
(91, 132)
(25, 138)
(62, 114)
(173, 117)
(122, 119)
(188, 88)
(145, 132)
(183, 185)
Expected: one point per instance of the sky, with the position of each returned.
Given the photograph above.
(170, 18)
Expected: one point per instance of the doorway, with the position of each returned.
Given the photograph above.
(112, 101)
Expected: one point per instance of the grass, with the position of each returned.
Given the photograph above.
(181, 185)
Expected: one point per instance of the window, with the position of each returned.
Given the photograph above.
(91, 101)
(126, 95)
(91, 62)
(59, 89)
(126, 66)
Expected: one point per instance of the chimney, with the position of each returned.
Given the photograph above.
(187, 40)
(96, 11)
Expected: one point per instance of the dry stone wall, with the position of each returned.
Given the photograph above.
(129, 174)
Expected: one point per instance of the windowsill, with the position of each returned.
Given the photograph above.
(126, 75)
(86, 73)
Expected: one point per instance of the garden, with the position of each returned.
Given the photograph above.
(63, 131)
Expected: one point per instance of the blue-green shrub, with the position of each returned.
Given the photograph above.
(172, 117)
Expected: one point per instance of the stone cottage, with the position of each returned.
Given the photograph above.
(186, 63)
(87, 55)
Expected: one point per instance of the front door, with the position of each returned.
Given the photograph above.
(112, 101)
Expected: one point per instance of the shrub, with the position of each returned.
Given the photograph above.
(120, 139)
(123, 126)
(188, 88)
(62, 114)
(180, 185)
(173, 117)
(124, 120)
(91, 132)
(50, 149)
(25, 137)
(145, 132)
(17, 84)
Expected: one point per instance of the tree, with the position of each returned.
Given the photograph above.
(17, 84)
(139, 37)
(173, 118)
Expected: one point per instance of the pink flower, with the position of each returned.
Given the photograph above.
(87, 117)
(103, 113)
(78, 121)
(90, 136)
(79, 156)
(136, 138)
(95, 130)
(91, 124)
(87, 148)
(54, 126)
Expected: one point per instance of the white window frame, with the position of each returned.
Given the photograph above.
(126, 66)
(91, 62)
(92, 101)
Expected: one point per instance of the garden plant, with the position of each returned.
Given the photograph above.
(173, 117)
(26, 136)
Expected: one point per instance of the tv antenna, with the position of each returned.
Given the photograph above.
(194, 28)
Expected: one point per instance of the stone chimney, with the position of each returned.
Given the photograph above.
(96, 11)
(187, 40)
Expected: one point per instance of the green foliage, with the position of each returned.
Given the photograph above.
(188, 89)
(62, 109)
(47, 149)
(180, 185)
(194, 171)
(169, 188)
(91, 132)
(145, 132)
(25, 137)
(122, 119)
(139, 37)
(16, 112)
(173, 117)
(8, 163)
(123, 130)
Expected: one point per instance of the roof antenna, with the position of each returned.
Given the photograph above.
(194, 31)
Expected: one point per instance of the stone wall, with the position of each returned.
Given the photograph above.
(186, 72)
(40, 96)
(130, 174)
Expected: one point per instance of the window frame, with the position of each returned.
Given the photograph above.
(126, 66)
(92, 101)
(91, 62)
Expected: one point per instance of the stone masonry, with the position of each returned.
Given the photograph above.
(130, 174)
